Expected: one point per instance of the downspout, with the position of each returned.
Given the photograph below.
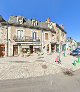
(7, 39)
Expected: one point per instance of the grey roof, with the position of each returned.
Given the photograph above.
(70, 39)
(13, 19)
(43, 25)
(61, 28)
(1, 19)
(28, 22)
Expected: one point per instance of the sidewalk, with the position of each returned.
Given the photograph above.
(66, 62)
(34, 65)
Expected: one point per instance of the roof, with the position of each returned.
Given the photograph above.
(28, 26)
(1, 19)
(70, 39)
(28, 23)
(61, 28)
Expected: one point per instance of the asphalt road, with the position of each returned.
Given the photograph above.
(50, 83)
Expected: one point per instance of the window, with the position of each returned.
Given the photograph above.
(20, 34)
(20, 20)
(46, 36)
(34, 35)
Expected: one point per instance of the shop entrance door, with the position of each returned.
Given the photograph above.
(15, 50)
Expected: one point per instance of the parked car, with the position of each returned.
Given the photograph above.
(78, 49)
(75, 52)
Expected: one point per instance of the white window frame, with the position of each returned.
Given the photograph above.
(32, 34)
(17, 31)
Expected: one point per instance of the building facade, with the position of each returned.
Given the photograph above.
(71, 44)
(60, 37)
(24, 36)
(20, 36)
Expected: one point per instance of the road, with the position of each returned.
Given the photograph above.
(50, 83)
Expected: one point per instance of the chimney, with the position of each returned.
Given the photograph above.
(48, 20)
(62, 26)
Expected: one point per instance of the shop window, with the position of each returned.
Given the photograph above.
(24, 50)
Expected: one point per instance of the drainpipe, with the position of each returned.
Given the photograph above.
(42, 40)
(7, 39)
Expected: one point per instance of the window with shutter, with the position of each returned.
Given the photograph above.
(34, 36)
(20, 34)
(46, 36)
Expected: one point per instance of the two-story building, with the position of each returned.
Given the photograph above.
(19, 35)
(23, 35)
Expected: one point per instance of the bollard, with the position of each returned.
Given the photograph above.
(57, 59)
(78, 59)
(74, 63)
(64, 54)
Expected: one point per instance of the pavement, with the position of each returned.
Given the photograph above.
(49, 83)
(35, 65)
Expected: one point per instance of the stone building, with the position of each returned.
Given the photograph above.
(19, 36)
(24, 35)
(60, 44)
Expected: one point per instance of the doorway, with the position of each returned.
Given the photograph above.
(15, 50)
(31, 48)
(2, 50)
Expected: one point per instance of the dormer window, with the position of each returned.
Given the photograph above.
(20, 20)
(34, 22)
(50, 25)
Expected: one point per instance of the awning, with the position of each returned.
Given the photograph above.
(25, 46)
(36, 46)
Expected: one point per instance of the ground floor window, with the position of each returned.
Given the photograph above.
(37, 50)
(2, 50)
(48, 47)
(57, 47)
(25, 50)
(53, 47)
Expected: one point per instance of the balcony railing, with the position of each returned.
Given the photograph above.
(25, 39)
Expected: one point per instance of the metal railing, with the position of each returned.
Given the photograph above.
(25, 39)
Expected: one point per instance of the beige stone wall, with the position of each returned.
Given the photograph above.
(3, 37)
(60, 36)
(46, 42)
(27, 31)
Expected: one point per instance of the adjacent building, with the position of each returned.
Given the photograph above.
(71, 44)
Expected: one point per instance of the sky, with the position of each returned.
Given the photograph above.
(65, 12)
